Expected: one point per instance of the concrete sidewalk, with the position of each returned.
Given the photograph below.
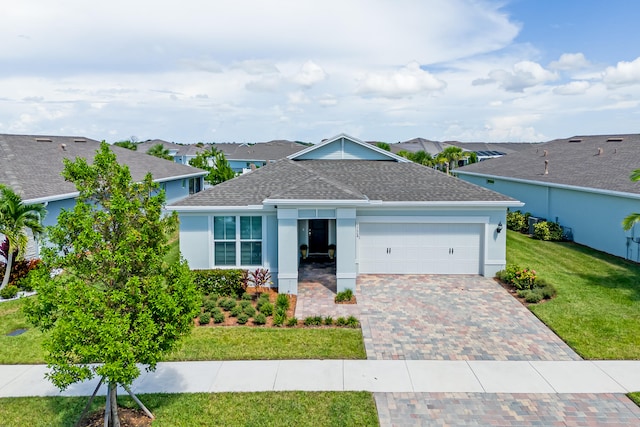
(390, 376)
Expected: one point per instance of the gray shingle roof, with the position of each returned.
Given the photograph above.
(572, 161)
(361, 180)
(31, 164)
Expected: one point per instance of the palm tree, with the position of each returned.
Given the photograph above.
(16, 218)
(453, 155)
(158, 150)
(631, 219)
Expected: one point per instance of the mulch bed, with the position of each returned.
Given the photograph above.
(128, 418)
(514, 293)
(232, 321)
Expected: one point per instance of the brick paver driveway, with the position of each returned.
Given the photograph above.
(459, 318)
(450, 318)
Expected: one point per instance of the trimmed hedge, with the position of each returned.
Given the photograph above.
(219, 281)
(547, 230)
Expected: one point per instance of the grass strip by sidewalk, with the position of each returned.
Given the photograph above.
(597, 309)
(204, 343)
(297, 409)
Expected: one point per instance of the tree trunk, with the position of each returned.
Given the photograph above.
(7, 271)
(114, 420)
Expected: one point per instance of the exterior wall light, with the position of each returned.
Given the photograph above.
(499, 229)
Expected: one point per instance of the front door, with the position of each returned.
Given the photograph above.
(318, 235)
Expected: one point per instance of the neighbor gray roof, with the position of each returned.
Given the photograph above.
(435, 147)
(32, 164)
(346, 180)
(573, 161)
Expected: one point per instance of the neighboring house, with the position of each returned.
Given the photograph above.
(32, 165)
(241, 157)
(384, 213)
(580, 182)
(484, 150)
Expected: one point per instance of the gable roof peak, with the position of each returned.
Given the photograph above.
(387, 155)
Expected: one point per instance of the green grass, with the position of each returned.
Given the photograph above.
(201, 409)
(245, 343)
(635, 397)
(25, 348)
(597, 308)
(217, 343)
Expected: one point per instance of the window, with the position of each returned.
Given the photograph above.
(228, 231)
(251, 240)
(194, 185)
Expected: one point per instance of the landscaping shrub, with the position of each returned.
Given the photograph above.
(343, 296)
(508, 274)
(261, 279)
(352, 322)
(247, 296)
(292, 322)
(19, 272)
(8, 292)
(546, 230)
(313, 321)
(227, 304)
(235, 311)
(264, 298)
(220, 281)
(244, 304)
(524, 279)
(282, 301)
(243, 318)
(260, 319)
(249, 311)
(266, 309)
(533, 296)
(218, 316)
(210, 305)
(204, 318)
(279, 318)
(341, 321)
(517, 221)
(328, 320)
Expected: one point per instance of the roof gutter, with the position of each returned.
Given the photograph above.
(555, 185)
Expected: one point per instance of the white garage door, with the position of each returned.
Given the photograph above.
(399, 248)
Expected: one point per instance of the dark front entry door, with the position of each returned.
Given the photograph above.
(318, 235)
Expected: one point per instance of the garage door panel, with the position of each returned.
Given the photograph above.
(420, 248)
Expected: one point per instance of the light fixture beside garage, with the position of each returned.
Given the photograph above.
(499, 229)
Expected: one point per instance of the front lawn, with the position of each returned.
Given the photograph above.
(597, 308)
(202, 409)
(246, 343)
(204, 343)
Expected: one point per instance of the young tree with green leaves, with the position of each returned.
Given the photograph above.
(113, 303)
(215, 163)
(16, 218)
(632, 218)
(159, 151)
(383, 145)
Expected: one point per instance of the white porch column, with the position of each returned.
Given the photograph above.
(346, 249)
(288, 251)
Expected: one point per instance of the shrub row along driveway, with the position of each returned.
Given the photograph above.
(450, 318)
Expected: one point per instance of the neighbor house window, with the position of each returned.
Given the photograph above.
(194, 185)
(237, 238)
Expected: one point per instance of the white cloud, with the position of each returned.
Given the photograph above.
(523, 75)
(577, 87)
(623, 74)
(310, 73)
(409, 80)
(327, 100)
(298, 98)
(570, 61)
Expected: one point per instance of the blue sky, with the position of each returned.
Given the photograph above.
(250, 70)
